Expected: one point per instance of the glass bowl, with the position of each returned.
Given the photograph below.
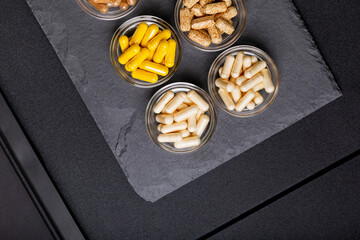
(113, 13)
(151, 124)
(128, 28)
(238, 22)
(214, 74)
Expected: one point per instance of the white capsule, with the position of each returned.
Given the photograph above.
(236, 94)
(182, 106)
(258, 87)
(174, 127)
(186, 113)
(164, 119)
(221, 83)
(198, 100)
(159, 106)
(188, 142)
(236, 69)
(169, 137)
(256, 68)
(240, 80)
(244, 101)
(184, 133)
(192, 123)
(268, 84)
(175, 102)
(229, 62)
(202, 124)
(258, 99)
(254, 59)
(250, 106)
(246, 62)
(226, 99)
(252, 82)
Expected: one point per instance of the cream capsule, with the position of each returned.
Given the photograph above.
(240, 80)
(236, 94)
(268, 84)
(187, 142)
(220, 71)
(129, 54)
(184, 133)
(139, 33)
(136, 61)
(171, 54)
(164, 119)
(186, 113)
(246, 62)
(198, 100)
(252, 82)
(224, 26)
(182, 107)
(175, 102)
(123, 42)
(186, 17)
(188, 101)
(161, 51)
(202, 22)
(226, 99)
(254, 59)
(198, 114)
(244, 101)
(237, 67)
(256, 68)
(215, 8)
(154, 43)
(229, 62)
(189, 3)
(202, 124)
(159, 126)
(154, 68)
(197, 10)
(192, 123)
(159, 106)
(258, 99)
(214, 35)
(202, 38)
(230, 13)
(174, 127)
(169, 137)
(221, 83)
(250, 106)
(144, 76)
(150, 33)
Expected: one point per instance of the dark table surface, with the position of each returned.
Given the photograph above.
(247, 202)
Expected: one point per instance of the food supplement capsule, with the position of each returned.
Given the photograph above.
(159, 126)
(103, 8)
(250, 106)
(214, 35)
(171, 54)
(224, 26)
(161, 51)
(124, 6)
(204, 2)
(230, 13)
(154, 43)
(221, 83)
(131, 2)
(229, 62)
(174, 127)
(237, 67)
(114, 3)
(129, 54)
(246, 62)
(136, 61)
(254, 59)
(186, 113)
(182, 106)
(258, 99)
(198, 100)
(252, 82)
(184, 133)
(202, 124)
(203, 22)
(268, 84)
(169, 137)
(192, 123)
(139, 33)
(201, 38)
(256, 68)
(159, 106)
(186, 17)
(175, 102)
(150, 33)
(101, 1)
(227, 2)
(220, 71)
(189, 3)
(144, 76)
(123, 42)
(215, 8)
(154, 68)
(240, 80)
(198, 115)
(197, 10)
(236, 94)
(226, 99)
(258, 87)
(164, 119)
(244, 101)
(151, 55)
(187, 142)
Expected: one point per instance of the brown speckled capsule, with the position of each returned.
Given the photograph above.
(203, 22)
(215, 35)
(230, 13)
(201, 37)
(224, 26)
(189, 3)
(197, 10)
(185, 19)
(227, 2)
(214, 8)
(230, 21)
(204, 2)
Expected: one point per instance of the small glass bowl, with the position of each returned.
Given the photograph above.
(214, 74)
(128, 28)
(113, 13)
(238, 22)
(151, 124)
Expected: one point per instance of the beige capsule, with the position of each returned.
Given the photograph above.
(159, 106)
(186, 113)
(200, 37)
(169, 137)
(204, 2)
(215, 8)
(224, 84)
(268, 84)
(197, 10)
(226, 99)
(252, 82)
(214, 35)
(175, 102)
(240, 80)
(202, 124)
(159, 126)
(246, 62)
(250, 106)
(254, 59)
(182, 106)
(227, 2)
(202, 22)
(224, 26)
(230, 13)
(174, 127)
(188, 101)
(244, 101)
(256, 68)
(184, 133)
(188, 142)
(190, 3)
(192, 123)
(185, 19)
(220, 71)
(164, 119)
(237, 67)
(229, 62)
(258, 99)
(236, 94)
(198, 115)
(258, 87)
(198, 100)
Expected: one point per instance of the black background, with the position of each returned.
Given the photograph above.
(63, 133)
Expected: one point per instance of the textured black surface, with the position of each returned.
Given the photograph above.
(88, 177)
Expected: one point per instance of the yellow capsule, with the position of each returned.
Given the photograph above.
(150, 33)
(151, 55)
(171, 53)
(164, 35)
(144, 76)
(139, 33)
(161, 51)
(134, 63)
(154, 68)
(129, 54)
(123, 42)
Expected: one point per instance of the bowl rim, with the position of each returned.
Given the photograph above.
(212, 113)
(273, 71)
(220, 46)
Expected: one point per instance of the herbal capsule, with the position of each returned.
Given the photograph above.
(134, 63)
(164, 119)
(139, 33)
(154, 68)
(124, 43)
(252, 82)
(250, 106)
(226, 99)
(182, 107)
(257, 67)
(227, 2)
(201, 38)
(186, 17)
(174, 127)
(184, 133)
(204, 2)
(199, 101)
(187, 142)
(215, 35)
(159, 106)
(220, 71)
(114, 3)
(268, 84)
(197, 10)
(154, 43)
(202, 124)
(236, 94)
(169, 137)
(150, 33)
(246, 62)
(215, 8)
(129, 54)
(186, 113)
(244, 101)
(189, 3)
(175, 102)
(258, 87)
(240, 80)
(144, 76)
(254, 59)
(237, 67)
(103, 8)
(101, 1)
(224, 26)
(221, 83)
(161, 51)
(202, 22)
(192, 123)
(225, 73)
(230, 13)
(159, 126)
(258, 99)
(171, 54)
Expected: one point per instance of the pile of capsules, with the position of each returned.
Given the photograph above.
(213, 20)
(241, 79)
(103, 5)
(149, 52)
(182, 118)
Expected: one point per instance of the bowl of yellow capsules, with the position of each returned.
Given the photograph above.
(145, 51)
(180, 118)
